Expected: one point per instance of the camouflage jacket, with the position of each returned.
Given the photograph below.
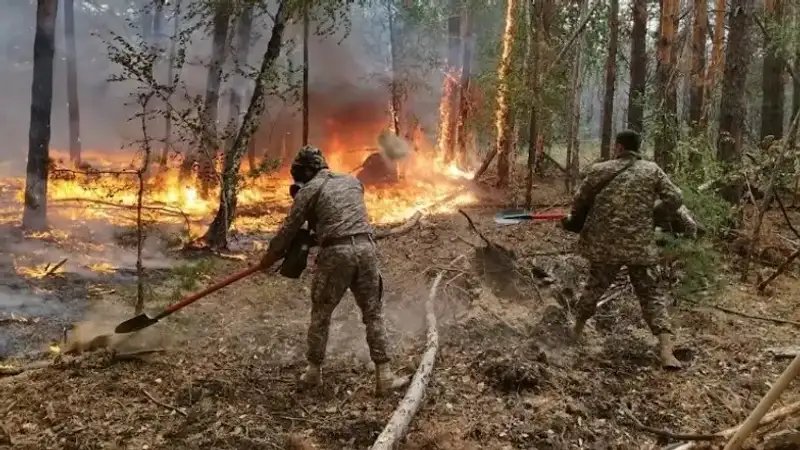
(338, 211)
(620, 227)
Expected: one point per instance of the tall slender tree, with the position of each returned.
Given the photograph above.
(306, 25)
(666, 137)
(573, 138)
(396, 86)
(772, 88)
(244, 31)
(638, 66)
(699, 36)
(34, 216)
(173, 53)
(611, 80)
(732, 110)
(503, 118)
(209, 145)
(450, 103)
(717, 64)
(464, 106)
(73, 105)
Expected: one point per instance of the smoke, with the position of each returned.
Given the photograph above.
(349, 71)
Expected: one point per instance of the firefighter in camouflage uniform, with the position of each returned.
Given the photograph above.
(333, 204)
(619, 231)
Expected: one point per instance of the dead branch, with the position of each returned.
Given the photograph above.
(768, 419)
(778, 271)
(396, 429)
(401, 229)
(164, 405)
(752, 316)
(53, 269)
(475, 228)
(786, 215)
(768, 196)
(667, 434)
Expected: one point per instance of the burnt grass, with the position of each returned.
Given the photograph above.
(507, 375)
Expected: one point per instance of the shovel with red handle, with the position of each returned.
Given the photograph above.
(143, 320)
(515, 216)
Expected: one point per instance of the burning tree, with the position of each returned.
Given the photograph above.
(35, 214)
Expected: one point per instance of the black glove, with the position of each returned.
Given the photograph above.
(566, 221)
(314, 241)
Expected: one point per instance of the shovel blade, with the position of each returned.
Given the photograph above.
(135, 324)
(512, 216)
(510, 220)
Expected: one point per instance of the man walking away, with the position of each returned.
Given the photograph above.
(618, 231)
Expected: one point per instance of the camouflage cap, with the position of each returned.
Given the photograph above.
(310, 158)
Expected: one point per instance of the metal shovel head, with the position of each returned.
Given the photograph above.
(512, 216)
(135, 324)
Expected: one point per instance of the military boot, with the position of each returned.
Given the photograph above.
(668, 360)
(312, 376)
(386, 381)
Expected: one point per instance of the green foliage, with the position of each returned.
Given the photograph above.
(188, 274)
(700, 261)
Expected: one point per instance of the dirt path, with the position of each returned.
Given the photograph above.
(506, 379)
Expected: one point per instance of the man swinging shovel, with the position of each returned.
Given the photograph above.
(333, 204)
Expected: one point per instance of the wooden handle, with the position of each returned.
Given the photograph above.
(213, 288)
(752, 421)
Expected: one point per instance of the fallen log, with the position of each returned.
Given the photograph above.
(397, 427)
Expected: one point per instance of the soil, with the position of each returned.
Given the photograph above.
(507, 375)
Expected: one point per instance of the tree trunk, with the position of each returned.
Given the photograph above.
(772, 75)
(464, 106)
(732, 106)
(217, 235)
(164, 159)
(73, 104)
(666, 138)
(450, 100)
(395, 88)
(306, 25)
(796, 79)
(699, 35)
(638, 64)
(504, 123)
(573, 138)
(209, 144)
(34, 216)
(611, 80)
(240, 57)
(539, 11)
(716, 67)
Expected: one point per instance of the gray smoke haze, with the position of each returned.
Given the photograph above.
(344, 74)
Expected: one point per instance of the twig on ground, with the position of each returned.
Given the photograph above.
(164, 405)
(750, 316)
(768, 419)
(401, 229)
(667, 434)
(781, 269)
(398, 425)
(53, 269)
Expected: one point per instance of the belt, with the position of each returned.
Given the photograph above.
(345, 240)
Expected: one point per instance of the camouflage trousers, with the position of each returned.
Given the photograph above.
(339, 267)
(651, 298)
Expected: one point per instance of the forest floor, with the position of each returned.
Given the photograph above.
(506, 376)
